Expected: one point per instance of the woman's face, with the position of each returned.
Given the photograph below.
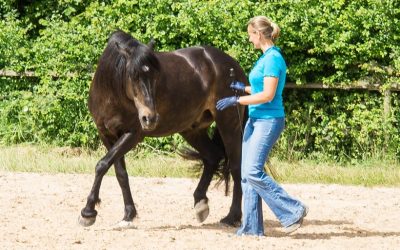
(254, 37)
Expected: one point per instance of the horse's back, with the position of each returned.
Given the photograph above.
(211, 63)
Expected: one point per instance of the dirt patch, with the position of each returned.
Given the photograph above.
(40, 211)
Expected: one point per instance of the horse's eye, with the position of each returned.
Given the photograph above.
(145, 68)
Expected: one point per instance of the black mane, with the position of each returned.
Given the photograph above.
(121, 49)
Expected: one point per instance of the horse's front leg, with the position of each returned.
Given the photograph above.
(123, 180)
(126, 142)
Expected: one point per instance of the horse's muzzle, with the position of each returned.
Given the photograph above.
(149, 122)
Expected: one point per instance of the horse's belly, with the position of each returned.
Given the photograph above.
(172, 125)
(168, 128)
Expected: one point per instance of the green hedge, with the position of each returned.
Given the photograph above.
(333, 42)
(340, 124)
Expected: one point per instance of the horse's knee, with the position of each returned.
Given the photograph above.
(102, 167)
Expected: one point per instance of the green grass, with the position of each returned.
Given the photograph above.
(365, 173)
(44, 159)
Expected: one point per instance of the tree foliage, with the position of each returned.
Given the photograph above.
(333, 42)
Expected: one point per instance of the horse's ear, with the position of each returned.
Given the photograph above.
(124, 51)
(152, 44)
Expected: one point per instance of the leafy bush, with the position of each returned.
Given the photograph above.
(352, 126)
(333, 42)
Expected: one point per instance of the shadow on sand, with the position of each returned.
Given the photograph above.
(274, 229)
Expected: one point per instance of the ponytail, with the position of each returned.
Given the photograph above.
(275, 31)
(265, 26)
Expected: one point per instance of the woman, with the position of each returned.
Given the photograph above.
(265, 124)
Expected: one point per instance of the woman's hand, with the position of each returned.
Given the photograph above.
(227, 102)
(238, 86)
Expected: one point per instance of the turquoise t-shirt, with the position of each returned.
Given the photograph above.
(271, 63)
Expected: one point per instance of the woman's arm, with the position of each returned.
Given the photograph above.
(267, 95)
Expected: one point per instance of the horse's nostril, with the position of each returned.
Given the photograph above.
(149, 121)
(145, 119)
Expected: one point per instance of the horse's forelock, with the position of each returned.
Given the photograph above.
(144, 56)
(137, 53)
(125, 57)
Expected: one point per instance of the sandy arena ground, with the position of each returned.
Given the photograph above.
(40, 211)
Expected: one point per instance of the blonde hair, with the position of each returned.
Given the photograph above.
(265, 26)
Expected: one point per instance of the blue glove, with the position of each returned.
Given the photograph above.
(227, 102)
(238, 86)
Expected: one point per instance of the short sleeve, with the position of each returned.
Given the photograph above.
(271, 67)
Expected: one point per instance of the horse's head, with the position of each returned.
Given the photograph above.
(142, 68)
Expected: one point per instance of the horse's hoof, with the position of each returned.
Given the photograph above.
(227, 221)
(122, 225)
(86, 222)
(202, 210)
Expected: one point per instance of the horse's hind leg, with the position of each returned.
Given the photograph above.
(126, 142)
(211, 155)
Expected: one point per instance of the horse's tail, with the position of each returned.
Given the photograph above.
(222, 171)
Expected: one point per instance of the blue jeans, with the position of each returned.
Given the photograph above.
(258, 138)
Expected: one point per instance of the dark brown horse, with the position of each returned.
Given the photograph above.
(137, 92)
